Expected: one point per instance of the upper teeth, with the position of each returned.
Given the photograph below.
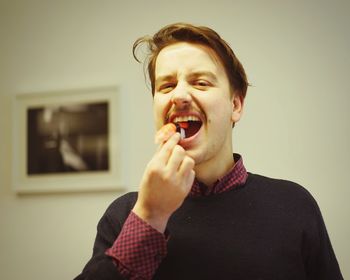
(185, 119)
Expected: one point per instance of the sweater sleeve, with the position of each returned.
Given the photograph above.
(124, 248)
(319, 258)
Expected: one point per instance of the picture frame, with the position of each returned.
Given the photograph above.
(67, 141)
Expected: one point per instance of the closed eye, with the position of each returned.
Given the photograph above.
(167, 87)
(201, 84)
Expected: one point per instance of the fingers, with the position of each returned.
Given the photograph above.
(176, 161)
(165, 150)
(165, 133)
(177, 156)
(186, 166)
(186, 173)
(190, 179)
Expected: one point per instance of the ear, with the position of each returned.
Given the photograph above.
(237, 107)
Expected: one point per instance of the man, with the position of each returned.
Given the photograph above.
(198, 213)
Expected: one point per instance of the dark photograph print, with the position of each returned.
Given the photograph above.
(67, 138)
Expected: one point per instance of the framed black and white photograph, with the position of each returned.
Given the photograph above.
(66, 141)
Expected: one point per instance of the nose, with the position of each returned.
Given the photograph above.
(181, 96)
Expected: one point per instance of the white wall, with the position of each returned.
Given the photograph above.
(295, 124)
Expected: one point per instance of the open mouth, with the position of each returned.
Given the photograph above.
(187, 126)
(190, 128)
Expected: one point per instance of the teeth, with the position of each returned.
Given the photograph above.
(185, 119)
(182, 133)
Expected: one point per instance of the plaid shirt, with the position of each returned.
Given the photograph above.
(139, 248)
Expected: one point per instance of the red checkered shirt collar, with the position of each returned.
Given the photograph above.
(237, 176)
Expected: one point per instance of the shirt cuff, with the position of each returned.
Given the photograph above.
(139, 249)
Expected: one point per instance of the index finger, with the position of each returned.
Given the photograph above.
(165, 149)
(164, 133)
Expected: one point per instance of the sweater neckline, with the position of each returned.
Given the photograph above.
(236, 177)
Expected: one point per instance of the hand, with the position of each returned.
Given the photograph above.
(166, 182)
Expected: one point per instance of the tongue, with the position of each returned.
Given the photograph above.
(191, 127)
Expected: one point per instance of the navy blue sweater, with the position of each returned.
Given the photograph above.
(266, 229)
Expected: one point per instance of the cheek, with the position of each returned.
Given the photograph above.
(159, 110)
(221, 112)
(157, 117)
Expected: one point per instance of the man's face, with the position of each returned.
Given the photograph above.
(192, 88)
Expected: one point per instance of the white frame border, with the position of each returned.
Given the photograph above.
(70, 182)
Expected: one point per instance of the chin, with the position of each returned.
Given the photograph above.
(196, 155)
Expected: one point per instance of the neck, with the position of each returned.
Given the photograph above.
(210, 171)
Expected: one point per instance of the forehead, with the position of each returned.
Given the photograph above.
(187, 57)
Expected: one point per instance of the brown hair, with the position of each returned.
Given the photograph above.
(184, 32)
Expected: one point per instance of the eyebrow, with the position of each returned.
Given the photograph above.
(209, 74)
(196, 74)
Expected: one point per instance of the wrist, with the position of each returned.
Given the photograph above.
(156, 220)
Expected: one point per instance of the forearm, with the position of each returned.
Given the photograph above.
(138, 250)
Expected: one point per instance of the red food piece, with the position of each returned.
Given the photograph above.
(164, 133)
(184, 125)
